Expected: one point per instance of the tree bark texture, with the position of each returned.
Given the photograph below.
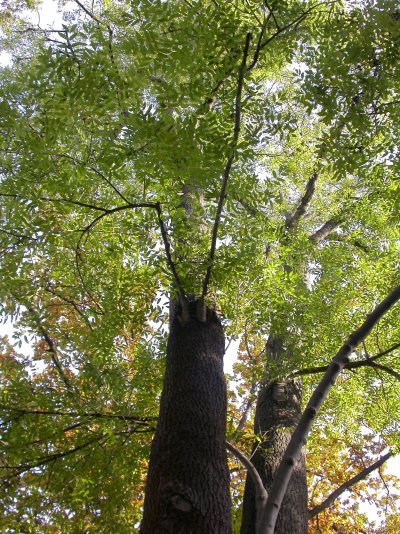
(277, 413)
(187, 488)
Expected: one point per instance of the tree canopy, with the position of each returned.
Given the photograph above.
(245, 152)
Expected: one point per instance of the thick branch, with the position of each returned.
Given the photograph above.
(228, 166)
(323, 232)
(347, 485)
(305, 201)
(284, 472)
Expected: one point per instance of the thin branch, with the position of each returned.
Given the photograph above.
(347, 485)
(86, 230)
(297, 20)
(89, 13)
(167, 247)
(51, 347)
(285, 469)
(368, 362)
(261, 492)
(22, 468)
(248, 405)
(386, 369)
(228, 166)
(108, 181)
(95, 415)
(47, 199)
(258, 47)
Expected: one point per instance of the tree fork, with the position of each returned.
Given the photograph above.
(188, 480)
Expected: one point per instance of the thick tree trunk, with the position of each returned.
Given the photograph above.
(277, 413)
(187, 488)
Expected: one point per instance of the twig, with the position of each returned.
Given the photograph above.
(228, 166)
(285, 469)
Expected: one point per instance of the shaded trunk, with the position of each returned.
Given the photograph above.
(187, 488)
(277, 413)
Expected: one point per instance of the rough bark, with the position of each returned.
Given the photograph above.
(277, 413)
(187, 488)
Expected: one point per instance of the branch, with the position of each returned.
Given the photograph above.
(261, 492)
(167, 247)
(100, 415)
(347, 485)
(228, 166)
(90, 226)
(89, 13)
(297, 20)
(368, 362)
(22, 468)
(323, 232)
(285, 469)
(99, 173)
(67, 200)
(51, 347)
(305, 201)
(385, 368)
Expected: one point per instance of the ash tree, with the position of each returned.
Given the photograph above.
(174, 176)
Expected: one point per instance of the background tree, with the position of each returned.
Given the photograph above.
(243, 153)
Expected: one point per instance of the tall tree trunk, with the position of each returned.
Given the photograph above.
(277, 413)
(187, 488)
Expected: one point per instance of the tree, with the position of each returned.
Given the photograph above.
(236, 164)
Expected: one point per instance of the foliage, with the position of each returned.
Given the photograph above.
(116, 132)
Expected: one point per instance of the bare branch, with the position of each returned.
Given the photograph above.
(347, 485)
(228, 166)
(284, 471)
